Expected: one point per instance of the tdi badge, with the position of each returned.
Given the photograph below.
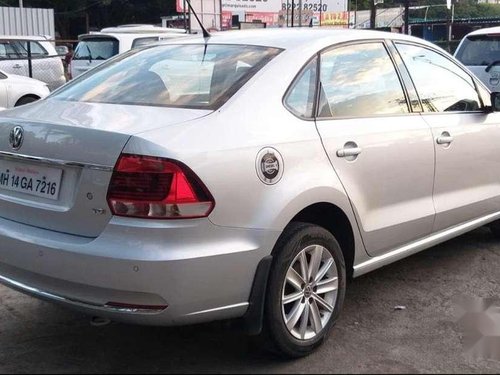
(269, 165)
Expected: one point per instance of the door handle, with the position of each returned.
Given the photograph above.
(350, 151)
(17, 66)
(444, 139)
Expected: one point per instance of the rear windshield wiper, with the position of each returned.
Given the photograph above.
(90, 54)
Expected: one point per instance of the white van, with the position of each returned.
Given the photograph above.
(96, 47)
(46, 64)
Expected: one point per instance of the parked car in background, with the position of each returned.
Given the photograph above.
(17, 90)
(250, 187)
(46, 64)
(480, 52)
(96, 47)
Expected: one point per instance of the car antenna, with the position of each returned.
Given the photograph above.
(206, 34)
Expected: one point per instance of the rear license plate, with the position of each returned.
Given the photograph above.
(40, 181)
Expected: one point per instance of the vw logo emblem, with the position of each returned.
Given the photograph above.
(16, 137)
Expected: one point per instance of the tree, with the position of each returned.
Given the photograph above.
(373, 14)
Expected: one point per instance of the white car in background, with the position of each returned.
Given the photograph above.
(18, 90)
(480, 52)
(95, 48)
(46, 64)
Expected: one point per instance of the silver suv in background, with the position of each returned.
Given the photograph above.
(46, 64)
(95, 48)
(480, 52)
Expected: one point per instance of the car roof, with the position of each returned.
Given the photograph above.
(296, 38)
(489, 30)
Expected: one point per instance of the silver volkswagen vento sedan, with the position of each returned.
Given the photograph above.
(247, 175)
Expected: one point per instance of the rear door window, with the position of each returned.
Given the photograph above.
(360, 80)
(7, 51)
(96, 49)
(36, 49)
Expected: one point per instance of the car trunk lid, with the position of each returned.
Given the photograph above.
(58, 177)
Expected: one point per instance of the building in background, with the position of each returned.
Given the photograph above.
(31, 21)
(208, 11)
(390, 19)
(273, 13)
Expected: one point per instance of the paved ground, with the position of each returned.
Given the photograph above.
(36, 337)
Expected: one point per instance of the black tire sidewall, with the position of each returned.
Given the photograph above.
(26, 100)
(295, 239)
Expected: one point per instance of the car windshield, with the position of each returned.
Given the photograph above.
(479, 50)
(184, 76)
(96, 49)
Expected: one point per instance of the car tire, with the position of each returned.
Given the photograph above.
(301, 240)
(26, 100)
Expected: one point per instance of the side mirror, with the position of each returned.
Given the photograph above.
(495, 101)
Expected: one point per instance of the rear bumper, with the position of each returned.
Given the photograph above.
(53, 85)
(202, 272)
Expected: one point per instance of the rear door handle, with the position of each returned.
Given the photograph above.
(444, 139)
(17, 66)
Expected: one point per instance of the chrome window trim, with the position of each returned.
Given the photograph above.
(54, 162)
(368, 117)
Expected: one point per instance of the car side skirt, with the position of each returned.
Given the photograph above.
(422, 244)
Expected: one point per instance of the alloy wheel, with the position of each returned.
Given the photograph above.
(310, 292)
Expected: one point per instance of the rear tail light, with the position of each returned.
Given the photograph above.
(156, 188)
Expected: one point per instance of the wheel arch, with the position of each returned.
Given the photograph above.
(332, 218)
(26, 96)
(324, 214)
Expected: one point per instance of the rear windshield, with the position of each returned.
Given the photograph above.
(183, 76)
(96, 49)
(479, 50)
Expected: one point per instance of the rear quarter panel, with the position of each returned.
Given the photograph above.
(222, 149)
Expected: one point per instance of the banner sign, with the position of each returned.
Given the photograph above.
(275, 6)
(264, 17)
(335, 19)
